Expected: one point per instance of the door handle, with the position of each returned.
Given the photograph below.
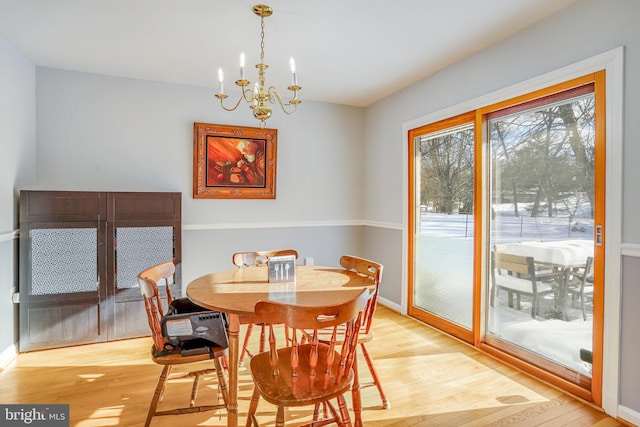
(598, 235)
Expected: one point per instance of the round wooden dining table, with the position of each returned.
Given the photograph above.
(237, 291)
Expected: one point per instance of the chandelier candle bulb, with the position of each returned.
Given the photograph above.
(242, 61)
(221, 79)
(292, 65)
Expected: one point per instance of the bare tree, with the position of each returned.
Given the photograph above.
(544, 157)
(447, 171)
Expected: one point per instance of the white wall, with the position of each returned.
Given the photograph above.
(17, 129)
(105, 133)
(17, 166)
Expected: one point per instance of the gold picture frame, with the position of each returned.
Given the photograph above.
(234, 162)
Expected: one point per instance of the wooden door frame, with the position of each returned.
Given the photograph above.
(445, 325)
(612, 62)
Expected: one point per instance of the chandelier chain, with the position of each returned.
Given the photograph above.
(262, 39)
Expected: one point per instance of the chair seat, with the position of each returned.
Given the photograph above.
(517, 284)
(523, 276)
(177, 358)
(304, 389)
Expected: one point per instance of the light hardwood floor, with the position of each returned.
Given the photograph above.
(430, 379)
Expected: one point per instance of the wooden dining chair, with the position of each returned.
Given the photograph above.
(518, 276)
(256, 259)
(169, 355)
(373, 270)
(307, 372)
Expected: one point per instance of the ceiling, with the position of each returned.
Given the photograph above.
(352, 52)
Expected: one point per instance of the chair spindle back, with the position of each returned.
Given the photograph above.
(310, 358)
(373, 270)
(148, 282)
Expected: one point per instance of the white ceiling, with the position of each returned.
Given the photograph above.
(352, 52)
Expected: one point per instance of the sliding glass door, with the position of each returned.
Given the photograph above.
(542, 200)
(506, 230)
(443, 225)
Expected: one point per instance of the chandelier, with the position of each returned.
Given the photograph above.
(259, 97)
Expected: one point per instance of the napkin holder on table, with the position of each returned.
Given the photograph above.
(282, 268)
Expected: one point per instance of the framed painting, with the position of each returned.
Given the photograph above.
(234, 162)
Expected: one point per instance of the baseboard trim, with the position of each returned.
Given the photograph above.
(390, 305)
(629, 415)
(7, 356)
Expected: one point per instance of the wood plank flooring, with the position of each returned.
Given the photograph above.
(430, 379)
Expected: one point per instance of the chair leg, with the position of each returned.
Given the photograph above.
(356, 398)
(374, 374)
(280, 416)
(194, 389)
(245, 345)
(157, 394)
(253, 407)
(316, 412)
(493, 294)
(222, 381)
(331, 415)
(345, 419)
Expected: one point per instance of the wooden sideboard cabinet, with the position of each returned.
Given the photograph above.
(80, 253)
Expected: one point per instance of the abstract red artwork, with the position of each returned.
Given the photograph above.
(234, 162)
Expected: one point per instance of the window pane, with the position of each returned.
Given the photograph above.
(443, 282)
(542, 210)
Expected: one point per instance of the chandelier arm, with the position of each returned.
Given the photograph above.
(273, 93)
(232, 108)
(247, 94)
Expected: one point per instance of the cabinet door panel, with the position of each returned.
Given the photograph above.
(60, 290)
(81, 253)
(72, 323)
(136, 249)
